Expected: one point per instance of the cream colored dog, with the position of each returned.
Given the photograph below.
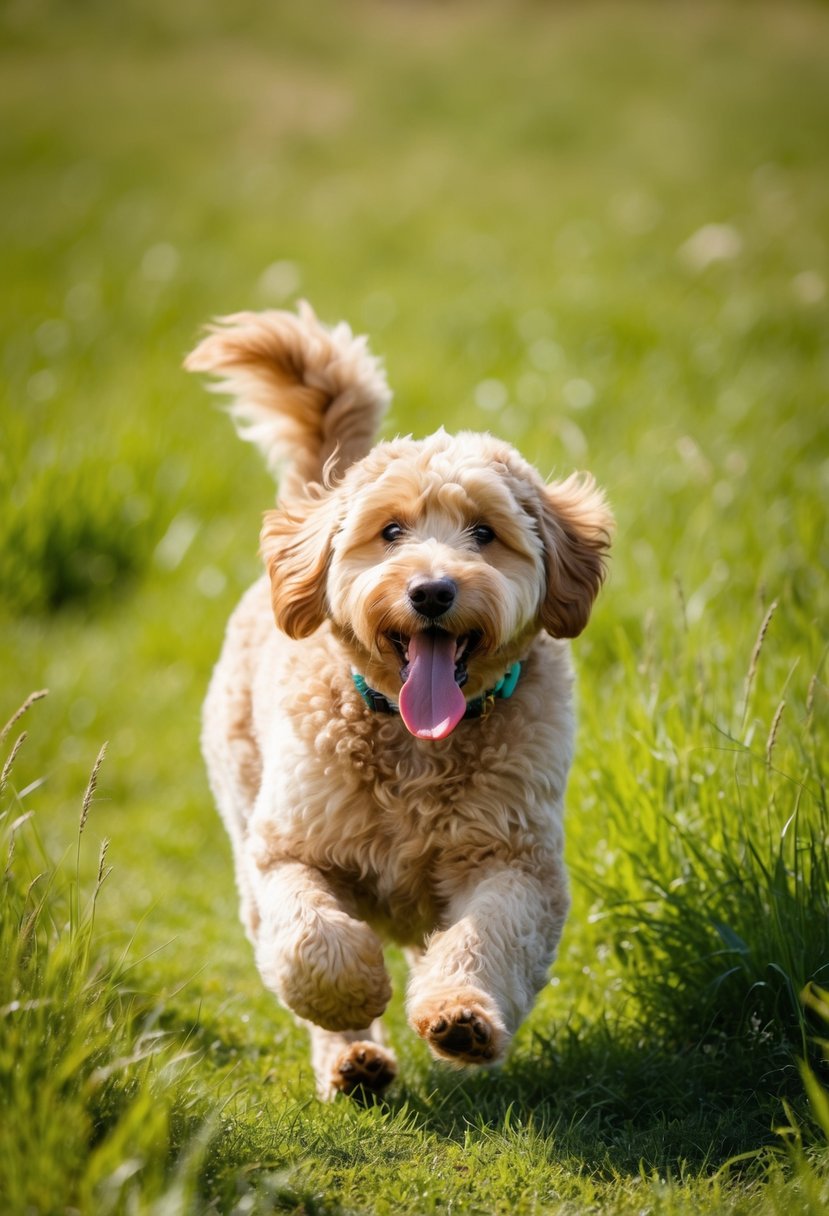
(390, 756)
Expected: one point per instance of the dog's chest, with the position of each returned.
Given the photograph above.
(401, 860)
(398, 826)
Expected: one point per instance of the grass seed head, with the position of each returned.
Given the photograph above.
(775, 726)
(30, 700)
(90, 789)
(755, 657)
(8, 766)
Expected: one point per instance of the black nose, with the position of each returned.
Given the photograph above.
(431, 597)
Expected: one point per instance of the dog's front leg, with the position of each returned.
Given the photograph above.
(478, 978)
(321, 961)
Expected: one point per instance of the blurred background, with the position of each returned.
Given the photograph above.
(597, 229)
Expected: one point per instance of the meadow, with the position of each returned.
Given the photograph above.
(597, 229)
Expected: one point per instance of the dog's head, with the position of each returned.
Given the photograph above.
(436, 562)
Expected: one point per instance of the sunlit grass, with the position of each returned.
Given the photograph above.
(598, 230)
(715, 867)
(90, 1084)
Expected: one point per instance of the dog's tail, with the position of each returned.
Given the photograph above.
(311, 398)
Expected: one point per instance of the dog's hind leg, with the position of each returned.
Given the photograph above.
(353, 1062)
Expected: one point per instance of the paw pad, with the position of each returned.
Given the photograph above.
(463, 1033)
(364, 1068)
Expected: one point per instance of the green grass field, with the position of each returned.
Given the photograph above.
(600, 230)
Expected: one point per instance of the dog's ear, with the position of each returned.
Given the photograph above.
(575, 524)
(295, 545)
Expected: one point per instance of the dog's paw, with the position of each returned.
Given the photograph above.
(461, 1030)
(363, 1070)
(354, 1001)
(334, 976)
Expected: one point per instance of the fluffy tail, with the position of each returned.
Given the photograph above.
(311, 398)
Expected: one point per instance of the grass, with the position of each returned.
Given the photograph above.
(599, 230)
(729, 871)
(84, 1068)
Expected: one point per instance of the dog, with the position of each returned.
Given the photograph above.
(389, 728)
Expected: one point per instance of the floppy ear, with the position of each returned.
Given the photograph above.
(295, 544)
(575, 525)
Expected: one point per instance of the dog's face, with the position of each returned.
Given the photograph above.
(436, 562)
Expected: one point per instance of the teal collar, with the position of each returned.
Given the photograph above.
(479, 708)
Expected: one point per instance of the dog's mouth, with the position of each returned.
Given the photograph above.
(433, 672)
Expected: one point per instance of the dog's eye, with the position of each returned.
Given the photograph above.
(483, 534)
(392, 532)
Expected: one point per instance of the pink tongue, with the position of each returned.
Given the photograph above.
(431, 703)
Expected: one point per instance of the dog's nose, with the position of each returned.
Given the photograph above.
(431, 597)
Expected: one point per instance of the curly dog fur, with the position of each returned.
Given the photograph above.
(430, 568)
